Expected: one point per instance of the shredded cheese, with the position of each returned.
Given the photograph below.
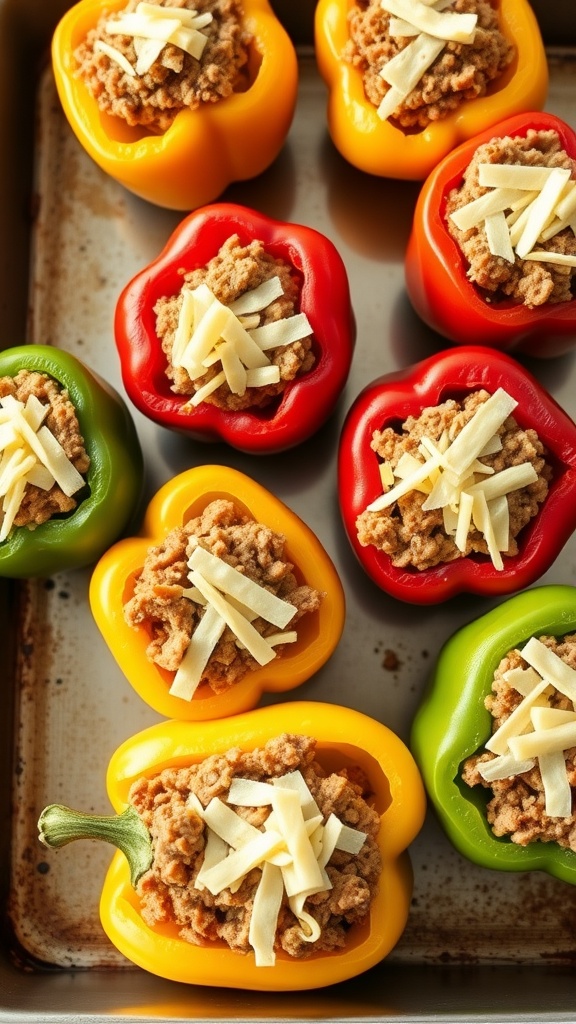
(431, 25)
(468, 492)
(445, 25)
(523, 204)
(29, 454)
(536, 731)
(235, 584)
(209, 332)
(228, 598)
(152, 26)
(291, 851)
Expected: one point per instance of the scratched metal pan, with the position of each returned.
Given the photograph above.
(478, 946)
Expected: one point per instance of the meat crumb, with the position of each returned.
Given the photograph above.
(159, 606)
(528, 282)
(235, 270)
(517, 806)
(167, 891)
(176, 80)
(38, 505)
(416, 538)
(463, 71)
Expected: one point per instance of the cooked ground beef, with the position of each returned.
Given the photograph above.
(176, 80)
(525, 281)
(167, 890)
(517, 808)
(461, 72)
(170, 618)
(237, 269)
(38, 505)
(413, 537)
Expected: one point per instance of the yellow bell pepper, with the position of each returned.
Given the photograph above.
(379, 147)
(179, 500)
(204, 150)
(344, 737)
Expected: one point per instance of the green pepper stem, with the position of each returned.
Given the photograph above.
(59, 825)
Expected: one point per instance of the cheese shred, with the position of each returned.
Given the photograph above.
(209, 333)
(469, 493)
(291, 851)
(536, 732)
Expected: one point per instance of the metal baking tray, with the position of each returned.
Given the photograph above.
(479, 946)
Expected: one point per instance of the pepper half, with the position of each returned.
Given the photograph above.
(179, 500)
(344, 737)
(204, 150)
(378, 147)
(435, 268)
(389, 400)
(452, 723)
(309, 399)
(114, 478)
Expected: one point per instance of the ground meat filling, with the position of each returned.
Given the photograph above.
(416, 538)
(176, 80)
(170, 618)
(40, 505)
(529, 282)
(167, 890)
(234, 270)
(461, 72)
(517, 807)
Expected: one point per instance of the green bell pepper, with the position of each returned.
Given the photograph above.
(452, 723)
(109, 503)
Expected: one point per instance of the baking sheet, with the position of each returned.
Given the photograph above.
(73, 707)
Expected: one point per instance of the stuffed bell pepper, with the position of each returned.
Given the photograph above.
(408, 81)
(268, 851)
(70, 463)
(176, 99)
(224, 595)
(495, 735)
(457, 475)
(491, 257)
(241, 330)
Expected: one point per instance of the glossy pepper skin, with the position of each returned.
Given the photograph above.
(204, 150)
(179, 500)
(114, 478)
(378, 147)
(309, 399)
(344, 736)
(453, 373)
(452, 724)
(435, 269)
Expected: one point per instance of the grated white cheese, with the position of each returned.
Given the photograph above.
(115, 55)
(449, 26)
(152, 26)
(536, 731)
(468, 492)
(229, 598)
(432, 26)
(29, 453)
(209, 332)
(235, 584)
(291, 851)
(523, 204)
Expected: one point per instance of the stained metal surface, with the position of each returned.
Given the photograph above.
(478, 945)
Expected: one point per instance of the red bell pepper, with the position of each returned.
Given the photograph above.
(309, 399)
(453, 373)
(435, 268)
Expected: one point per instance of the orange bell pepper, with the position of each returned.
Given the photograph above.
(204, 150)
(179, 500)
(344, 737)
(380, 148)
